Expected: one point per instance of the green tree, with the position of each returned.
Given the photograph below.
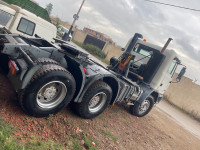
(49, 8)
(57, 23)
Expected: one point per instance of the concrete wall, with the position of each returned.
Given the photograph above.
(185, 94)
(111, 50)
(79, 36)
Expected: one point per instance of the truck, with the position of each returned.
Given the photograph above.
(49, 76)
(20, 21)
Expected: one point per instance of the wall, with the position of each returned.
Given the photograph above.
(111, 50)
(79, 36)
(185, 94)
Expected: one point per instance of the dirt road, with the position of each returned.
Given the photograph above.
(179, 117)
(114, 129)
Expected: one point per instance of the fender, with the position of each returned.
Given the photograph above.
(29, 75)
(21, 81)
(92, 80)
(146, 92)
(82, 84)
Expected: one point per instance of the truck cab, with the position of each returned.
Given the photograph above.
(156, 68)
(146, 71)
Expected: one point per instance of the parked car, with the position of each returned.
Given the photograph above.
(62, 30)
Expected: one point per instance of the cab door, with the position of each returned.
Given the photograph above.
(168, 77)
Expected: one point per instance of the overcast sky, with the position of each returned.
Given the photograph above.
(120, 19)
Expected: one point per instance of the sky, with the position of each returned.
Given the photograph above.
(120, 19)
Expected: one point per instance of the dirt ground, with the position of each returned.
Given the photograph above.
(114, 129)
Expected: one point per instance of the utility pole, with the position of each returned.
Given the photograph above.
(76, 16)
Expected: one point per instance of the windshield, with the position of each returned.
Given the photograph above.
(142, 54)
(4, 17)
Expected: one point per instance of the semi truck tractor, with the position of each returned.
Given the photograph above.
(49, 76)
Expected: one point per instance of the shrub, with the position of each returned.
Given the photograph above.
(92, 49)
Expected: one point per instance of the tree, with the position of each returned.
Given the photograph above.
(49, 8)
(57, 23)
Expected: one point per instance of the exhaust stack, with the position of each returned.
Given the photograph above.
(165, 46)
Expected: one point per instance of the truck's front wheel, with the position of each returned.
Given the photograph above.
(50, 89)
(143, 109)
(95, 100)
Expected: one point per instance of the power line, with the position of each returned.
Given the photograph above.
(172, 5)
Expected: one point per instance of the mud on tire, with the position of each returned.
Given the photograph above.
(50, 89)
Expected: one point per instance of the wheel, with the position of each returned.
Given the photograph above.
(95, 100)
(46, 61)
(143, 109)
(50, 89)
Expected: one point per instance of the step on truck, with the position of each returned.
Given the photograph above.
(49, 76)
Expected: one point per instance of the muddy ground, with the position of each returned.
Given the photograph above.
(116, 128)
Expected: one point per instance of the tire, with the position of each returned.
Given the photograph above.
(46, 61)
(50, 89)
(95, 100)
(143, 109)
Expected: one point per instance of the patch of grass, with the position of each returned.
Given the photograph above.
(31, 118)
(76, 145)
(88, 143)
(49, 145)
(58, 37)
(102, 59)
(101, 116)
(191, 113)
(116, 109)
(127, 119)
(110, 135)
(6, 141)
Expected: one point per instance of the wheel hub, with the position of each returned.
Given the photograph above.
(50, 92)
(94, 101)
(97, 102)
(144, 106)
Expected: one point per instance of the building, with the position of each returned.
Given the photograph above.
(98, 35)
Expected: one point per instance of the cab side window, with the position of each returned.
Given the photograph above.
(172, 68)
(26, 26)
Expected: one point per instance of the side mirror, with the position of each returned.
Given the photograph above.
(180, 75)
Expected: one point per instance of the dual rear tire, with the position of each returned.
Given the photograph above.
(50, 89)
(53, 87)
